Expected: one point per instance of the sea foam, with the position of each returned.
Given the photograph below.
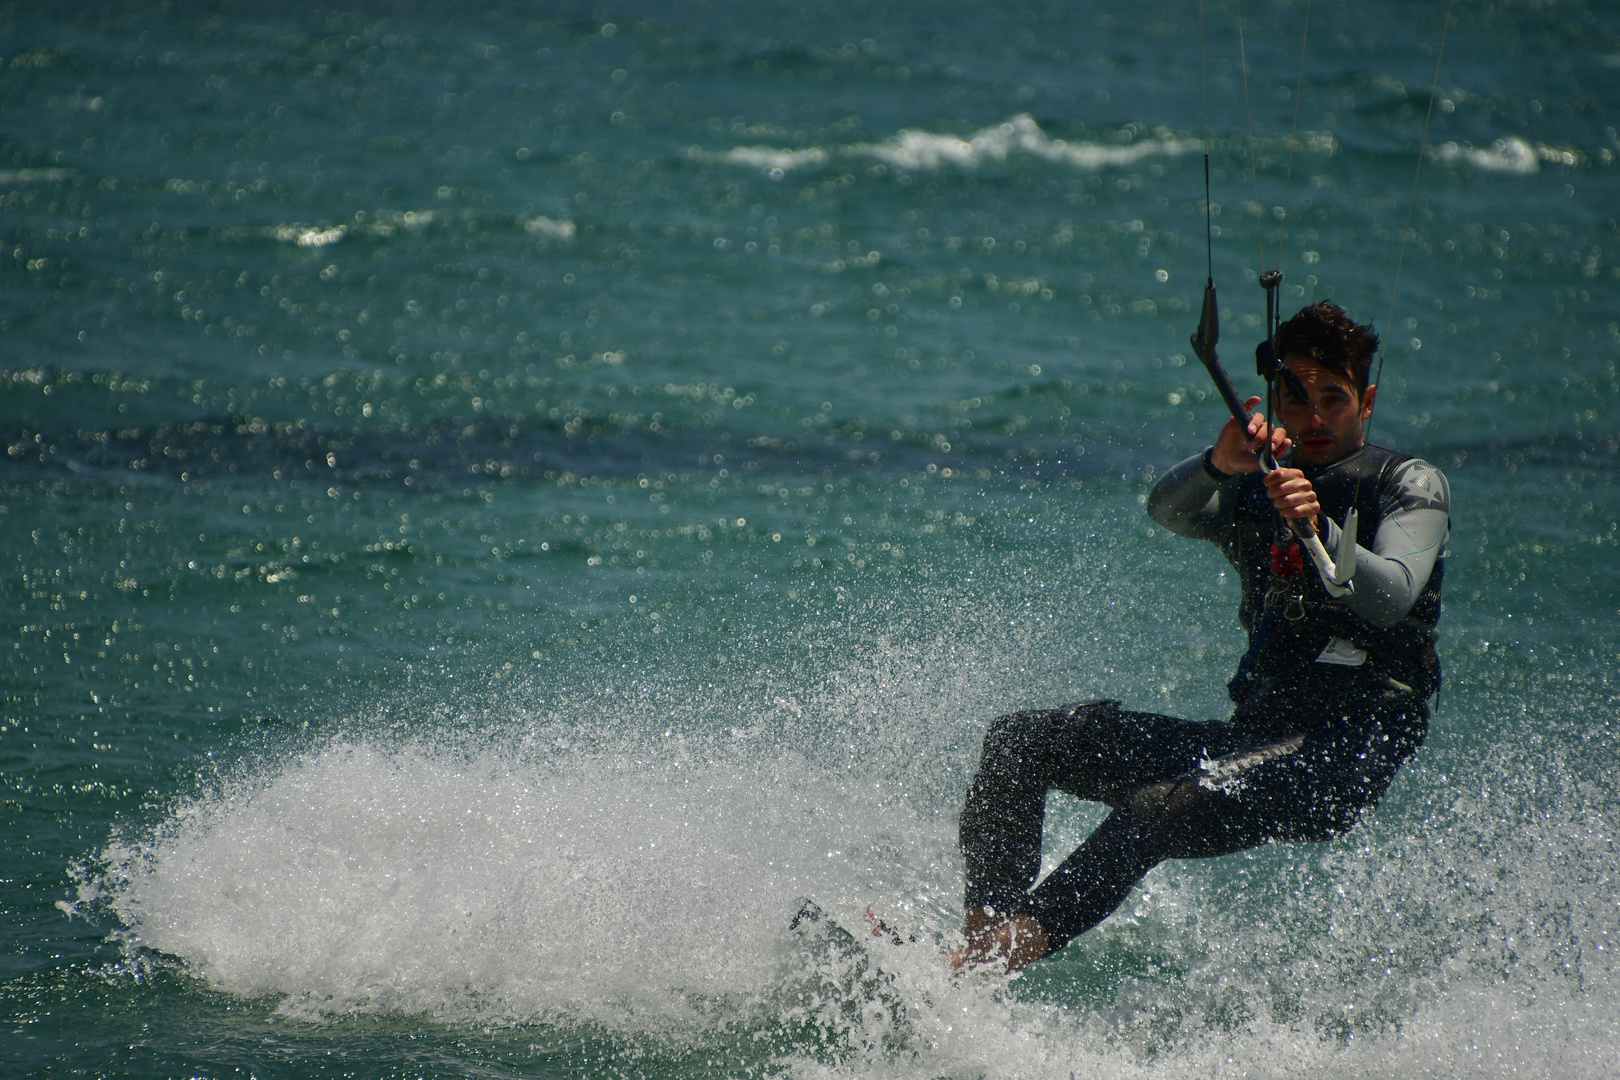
(912, 149)
(513, 883)
(1511, 155)
(925, 150)
(640, 885)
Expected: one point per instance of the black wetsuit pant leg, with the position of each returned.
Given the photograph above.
(1095, 751)
(1146, 766)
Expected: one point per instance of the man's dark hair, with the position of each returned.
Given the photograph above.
(1331, 338)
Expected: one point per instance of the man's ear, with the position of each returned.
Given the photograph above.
(1367, 397)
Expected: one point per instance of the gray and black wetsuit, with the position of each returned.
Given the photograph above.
(1330, 699)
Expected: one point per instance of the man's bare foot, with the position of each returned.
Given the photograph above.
(1005, 943)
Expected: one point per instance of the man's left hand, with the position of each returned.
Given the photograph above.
(1292, 494)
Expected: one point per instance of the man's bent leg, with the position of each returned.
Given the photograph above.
(1000, 828)
(1153, 824)
(1096, 877)
(1094, 751)
(1302, 788)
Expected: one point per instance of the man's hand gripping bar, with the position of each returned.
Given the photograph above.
(1203, 343)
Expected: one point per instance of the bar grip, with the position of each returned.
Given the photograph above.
(1223, 383)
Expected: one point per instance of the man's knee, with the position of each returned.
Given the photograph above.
(1018, 735)
(1336, 812)
(1010, 736)
(1167, 801)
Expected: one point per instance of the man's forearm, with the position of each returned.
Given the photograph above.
(1188, 501)
(1391, 576)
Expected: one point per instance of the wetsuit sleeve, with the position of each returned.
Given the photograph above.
(1188, 501)
(1411, 536)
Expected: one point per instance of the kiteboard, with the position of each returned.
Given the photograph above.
(843, 982)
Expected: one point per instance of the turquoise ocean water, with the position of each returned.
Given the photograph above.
(500, 499)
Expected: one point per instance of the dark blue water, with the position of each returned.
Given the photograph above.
(501, 499)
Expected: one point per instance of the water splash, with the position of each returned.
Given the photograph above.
(611, 875)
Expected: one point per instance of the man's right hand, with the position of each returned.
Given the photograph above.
(1238, 447)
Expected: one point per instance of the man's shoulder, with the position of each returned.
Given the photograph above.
(1393, 465)
(1418, 485)
(1409, 482)
(1398, 481)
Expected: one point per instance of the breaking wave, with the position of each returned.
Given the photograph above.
(1511, 155)
(910, 149)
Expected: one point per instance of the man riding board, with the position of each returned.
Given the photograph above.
(1331, 697)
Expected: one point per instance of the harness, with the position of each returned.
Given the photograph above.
(1301, 638)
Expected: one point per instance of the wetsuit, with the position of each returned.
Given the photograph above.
(1330, 699)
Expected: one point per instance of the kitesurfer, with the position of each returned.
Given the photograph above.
(1331, 697)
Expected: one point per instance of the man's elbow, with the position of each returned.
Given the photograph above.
(1161, 507)
(1391, 605)
(1387, 617)
(1156, 511)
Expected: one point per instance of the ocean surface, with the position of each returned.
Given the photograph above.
(501, 499)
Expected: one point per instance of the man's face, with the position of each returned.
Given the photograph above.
(1329, 425)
